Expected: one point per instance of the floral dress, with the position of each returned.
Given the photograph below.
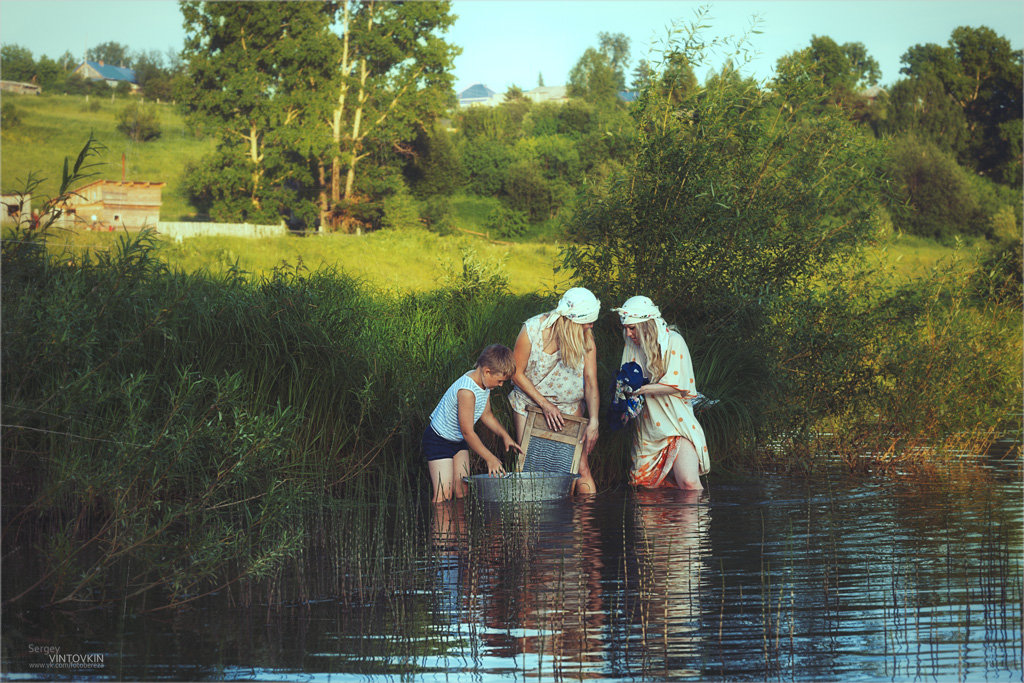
(555, 380)
(666, 418)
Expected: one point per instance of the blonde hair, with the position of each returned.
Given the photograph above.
(498, 359)
(572, 341)
(647, 335)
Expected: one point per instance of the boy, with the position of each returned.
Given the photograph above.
(449, 437)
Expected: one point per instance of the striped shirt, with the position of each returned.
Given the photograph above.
(445, 418)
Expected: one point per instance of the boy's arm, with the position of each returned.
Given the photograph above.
(467, 402)
(491, 422)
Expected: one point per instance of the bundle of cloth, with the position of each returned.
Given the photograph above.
(625, 404)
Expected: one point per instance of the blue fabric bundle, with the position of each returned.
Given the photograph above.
(625, 404)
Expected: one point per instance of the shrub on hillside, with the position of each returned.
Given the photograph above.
(139, 122)
(9, 117)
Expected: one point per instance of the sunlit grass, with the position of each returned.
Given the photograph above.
(418, 260)
(407, 261)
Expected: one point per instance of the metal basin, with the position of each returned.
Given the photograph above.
(520, 486)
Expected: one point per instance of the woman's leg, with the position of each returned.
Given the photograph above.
(442, 473)
(585, 484)
(520, 423)
(461, 469)
(686, 470)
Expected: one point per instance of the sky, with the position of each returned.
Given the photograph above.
(515, 42)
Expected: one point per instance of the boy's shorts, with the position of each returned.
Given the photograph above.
(436, 447)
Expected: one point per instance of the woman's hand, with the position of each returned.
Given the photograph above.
(590, 437)
(553, 416)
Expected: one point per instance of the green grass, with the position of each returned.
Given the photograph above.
(53, 127)
(400, 261)
(420, 261)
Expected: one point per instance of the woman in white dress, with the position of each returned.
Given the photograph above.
(669, 448)
(556, 370)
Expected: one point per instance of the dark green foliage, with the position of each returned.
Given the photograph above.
(980, 74)
(16, 63)
(184, 418)
(485, 165)
(935, 196)
(401, 212)
(439, 212)
(139, 122)
(506, 222)
(531, 193)
(436, 169)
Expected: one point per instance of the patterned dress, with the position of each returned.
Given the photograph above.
(666, 418)
(555, 380)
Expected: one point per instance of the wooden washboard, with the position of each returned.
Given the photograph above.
(548, 451)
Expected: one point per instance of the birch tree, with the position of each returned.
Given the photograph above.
(393, 72)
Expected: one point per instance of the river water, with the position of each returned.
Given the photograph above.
(908, 579)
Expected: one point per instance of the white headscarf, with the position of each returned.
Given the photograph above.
(638, 309)
(578, 305)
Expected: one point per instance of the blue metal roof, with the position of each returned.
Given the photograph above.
(113, 73)
(475, 92)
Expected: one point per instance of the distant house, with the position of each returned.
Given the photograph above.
(20, 88)
(548, 93)
(628, 96)
(111, 203)
(113, 75)
(477, 95)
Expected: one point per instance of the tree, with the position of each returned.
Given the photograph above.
(982, 75)
(16, 63)
(838, 71)
(615, 46)
(735, 202)
(253, 68)
(392, 71)
(109, 53)
(593, 78)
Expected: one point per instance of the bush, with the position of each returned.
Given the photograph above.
(506, 222)
(485, 166)
(528, 191)
(935, 197)
(438, 213)
(401, 212)
(139, 122)
(9, 117)
(737, 201)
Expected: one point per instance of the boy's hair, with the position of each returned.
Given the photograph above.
(498, 359)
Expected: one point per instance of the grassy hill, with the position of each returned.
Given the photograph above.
(52, 127)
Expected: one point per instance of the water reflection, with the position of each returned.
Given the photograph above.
(662, 606)
(775, 578)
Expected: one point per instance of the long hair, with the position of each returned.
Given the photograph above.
(647, 335)
(572, 342)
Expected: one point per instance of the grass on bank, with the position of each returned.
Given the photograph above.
(419, 260)
(399, 261)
